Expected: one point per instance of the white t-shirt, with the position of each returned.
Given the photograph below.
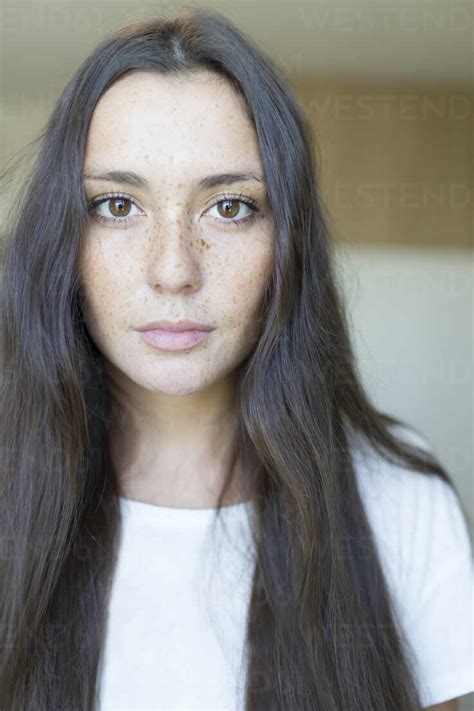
(177, 613)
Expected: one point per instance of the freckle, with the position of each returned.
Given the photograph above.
(204, 244)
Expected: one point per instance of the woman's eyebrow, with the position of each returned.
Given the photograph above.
(209, 181)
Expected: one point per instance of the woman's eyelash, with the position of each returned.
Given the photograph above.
(255, 207)
(92, 206)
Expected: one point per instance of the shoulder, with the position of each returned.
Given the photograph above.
(425, 551)
(416, 518)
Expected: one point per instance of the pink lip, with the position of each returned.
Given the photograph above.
(173, 340)
(164, 325)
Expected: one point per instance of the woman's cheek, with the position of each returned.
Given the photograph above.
(245, 290)
(101, 289)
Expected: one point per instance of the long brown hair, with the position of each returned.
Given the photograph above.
(301, 407)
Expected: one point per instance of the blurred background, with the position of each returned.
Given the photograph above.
(388, 88)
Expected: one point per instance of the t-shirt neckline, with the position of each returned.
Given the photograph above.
(155, 512)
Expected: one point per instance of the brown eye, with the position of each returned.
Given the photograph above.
(119, 206)
(116, 210)
(228, 207)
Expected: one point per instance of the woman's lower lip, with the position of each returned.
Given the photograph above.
(173, 340)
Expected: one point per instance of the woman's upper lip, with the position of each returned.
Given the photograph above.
(175, 326)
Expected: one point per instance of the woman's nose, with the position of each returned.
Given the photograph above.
(173, 263)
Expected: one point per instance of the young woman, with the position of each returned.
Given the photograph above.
(175, 354)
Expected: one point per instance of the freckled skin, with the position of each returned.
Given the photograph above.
(177, 260)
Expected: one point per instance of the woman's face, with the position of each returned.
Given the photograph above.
(164, 246)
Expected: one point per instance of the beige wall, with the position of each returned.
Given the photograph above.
(396, 163)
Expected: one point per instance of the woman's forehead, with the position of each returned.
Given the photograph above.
(200, 95)
(158, 122)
